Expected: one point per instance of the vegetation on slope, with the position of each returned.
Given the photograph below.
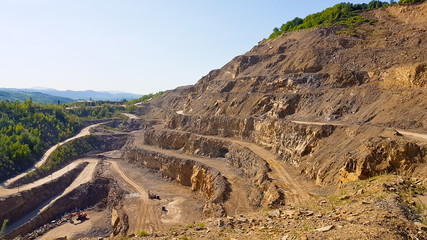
(410, 1)
(145, 98)
(64, 154)
(96, 112)
(130, 105)
(345, 14)
(27, 129)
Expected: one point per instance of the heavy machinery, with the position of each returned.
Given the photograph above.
(81, 216)
(153, 196)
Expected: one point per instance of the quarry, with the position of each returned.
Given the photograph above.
(315, 134)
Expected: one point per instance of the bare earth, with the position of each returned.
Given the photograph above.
(183, 206)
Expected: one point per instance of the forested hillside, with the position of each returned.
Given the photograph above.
(35, 96)
(27, 129)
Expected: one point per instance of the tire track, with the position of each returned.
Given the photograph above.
(148, 217)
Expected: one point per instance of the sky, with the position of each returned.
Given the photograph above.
(136, 46)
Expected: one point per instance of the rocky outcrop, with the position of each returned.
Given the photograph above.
(128, 125)
(119, 222)
(199, 177)
(289, 140)
(252, 167)
(380, 156)
(313, 148)
(20, 204)
(212, 125)
(411, 75)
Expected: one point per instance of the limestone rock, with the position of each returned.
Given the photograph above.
(325, 228)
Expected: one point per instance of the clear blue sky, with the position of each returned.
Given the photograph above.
(131, 45)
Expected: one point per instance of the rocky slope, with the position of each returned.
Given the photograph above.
(379, 208)
(277, 130)
(337, 106)
(350, 93)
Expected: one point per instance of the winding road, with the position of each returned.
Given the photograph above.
(294, 192)
(84, 132)
(85, 176)
(238, 201)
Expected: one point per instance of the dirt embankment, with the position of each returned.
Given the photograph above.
(199, 177)
(82, 197)
(18, 205)
(70, 151)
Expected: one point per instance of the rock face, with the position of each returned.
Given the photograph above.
(413, 75)
(343, 88)
(381, 156)
(199, 177)
(119, 222)
(86, 195)
(253, 168)
(18, 205)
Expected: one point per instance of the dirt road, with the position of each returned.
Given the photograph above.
(295, 192)
(141, 191)
(413, 135)
(238, 202)
(60, 172)
(148, 216)
(84, 132)
(418, 136)
(85, 176)
(278, 172)
(130, 115)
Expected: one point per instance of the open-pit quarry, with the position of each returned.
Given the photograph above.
(153, 175)
(193, 177)
(316, 134)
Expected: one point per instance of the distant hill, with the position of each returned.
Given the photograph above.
(35, 96)
(81, 95)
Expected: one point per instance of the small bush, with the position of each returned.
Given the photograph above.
(143, 234)
(190, 226)
(200, 225)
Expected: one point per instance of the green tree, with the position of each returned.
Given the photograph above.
(410, 1)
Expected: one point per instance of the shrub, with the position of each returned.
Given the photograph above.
(143, 234)
(340, 14)
(410, 1)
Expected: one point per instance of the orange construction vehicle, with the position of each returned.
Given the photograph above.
(81, 216)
